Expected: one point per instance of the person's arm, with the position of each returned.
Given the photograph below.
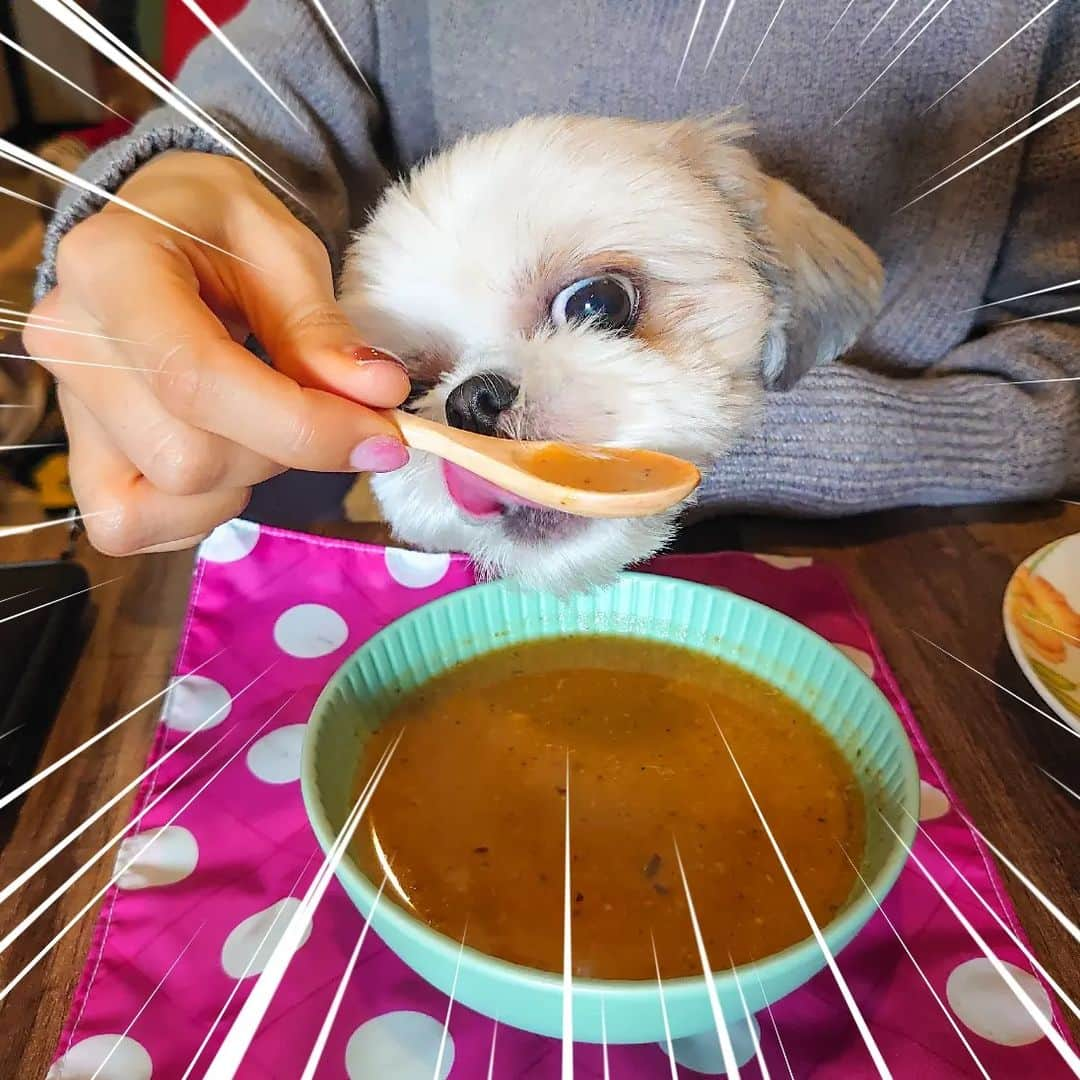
(170, 419)
(324, 148)
(847, 440)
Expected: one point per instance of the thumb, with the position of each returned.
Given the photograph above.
(295, 315)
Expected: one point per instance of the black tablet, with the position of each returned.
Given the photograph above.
(43, 624)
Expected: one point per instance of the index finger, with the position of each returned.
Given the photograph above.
(204, 378)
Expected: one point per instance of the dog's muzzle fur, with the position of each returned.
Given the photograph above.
(597, 281)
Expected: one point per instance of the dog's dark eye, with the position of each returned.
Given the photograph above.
(608, 302)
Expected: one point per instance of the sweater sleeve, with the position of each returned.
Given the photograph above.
(997, 419)
(320, 138)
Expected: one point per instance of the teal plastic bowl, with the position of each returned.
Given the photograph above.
(718, 623)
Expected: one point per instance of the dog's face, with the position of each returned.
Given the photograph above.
(593, 281)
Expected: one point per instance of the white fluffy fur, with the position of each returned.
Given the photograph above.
(743, 283)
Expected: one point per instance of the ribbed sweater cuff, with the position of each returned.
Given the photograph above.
(848, 441)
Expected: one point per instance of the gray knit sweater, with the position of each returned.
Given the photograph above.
(922, 411)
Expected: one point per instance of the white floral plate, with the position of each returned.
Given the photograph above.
(1041, 612)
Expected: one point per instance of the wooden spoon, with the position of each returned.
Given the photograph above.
(590, 481)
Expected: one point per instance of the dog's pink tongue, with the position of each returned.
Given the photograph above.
(473, 494)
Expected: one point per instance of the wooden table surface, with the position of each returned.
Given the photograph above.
(941, 573)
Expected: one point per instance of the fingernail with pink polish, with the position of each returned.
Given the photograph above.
(379, 454)
(365, 354)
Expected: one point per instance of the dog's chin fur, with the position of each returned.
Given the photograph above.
(742, 283)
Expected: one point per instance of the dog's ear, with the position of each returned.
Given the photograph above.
(825, 282)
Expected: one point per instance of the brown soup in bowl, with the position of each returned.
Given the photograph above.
(470, 815)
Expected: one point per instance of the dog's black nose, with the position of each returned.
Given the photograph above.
(478, 402)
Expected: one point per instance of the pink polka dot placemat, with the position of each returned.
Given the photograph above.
(220, 848)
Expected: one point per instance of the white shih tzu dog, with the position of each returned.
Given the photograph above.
(596, 281)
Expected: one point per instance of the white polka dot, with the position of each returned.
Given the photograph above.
(404, 1045)
(124, 1059)
(310, 630)
(275, 758)
(157, 857)
(194, 701)
(982, 999)
(932, 803)
(248, 947)
(702, 1053)
(786, 562)
(416, 569)
(230, 542)
(861, 659)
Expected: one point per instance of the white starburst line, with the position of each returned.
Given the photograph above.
(911, 25)
(1038, 125)
(244, 974)
(881, 18)
(99, 38)
(33, 446)
(754, 1037)
(18, 595)
(339, 995)
(491, 1056)
(324, 15)
(36, 60)
(1021, 296)
(10, 938)
(1034, 382)
(1036, 1014)
(235, 1045)
(895, 60)
(33, 324)
(1063, 920)
(1034, 19)
(1046, 315)
(146, 1004)
(11, 731)
(8, 405)
(568, 951)
(43, 774)
(19, 530)
(922, 974)
(1004, 689)
(690, 40)
(240, 58)
(11, 193)
(775, 1027)
(839, 19)
(18, 156)
(719, 35)
(59, 599)
(1028, 955)
(67, 363)
(975, 149)
(761, 43)
(16, 883)
(664, 1014)
(29, 314)
(436, 1073)
(603, 1040)
(12, 935)
(1063, 787)
(819, 937)
(1056, 629)
(727, 1052)
(388, 869)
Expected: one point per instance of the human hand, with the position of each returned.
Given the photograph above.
(170, 419)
